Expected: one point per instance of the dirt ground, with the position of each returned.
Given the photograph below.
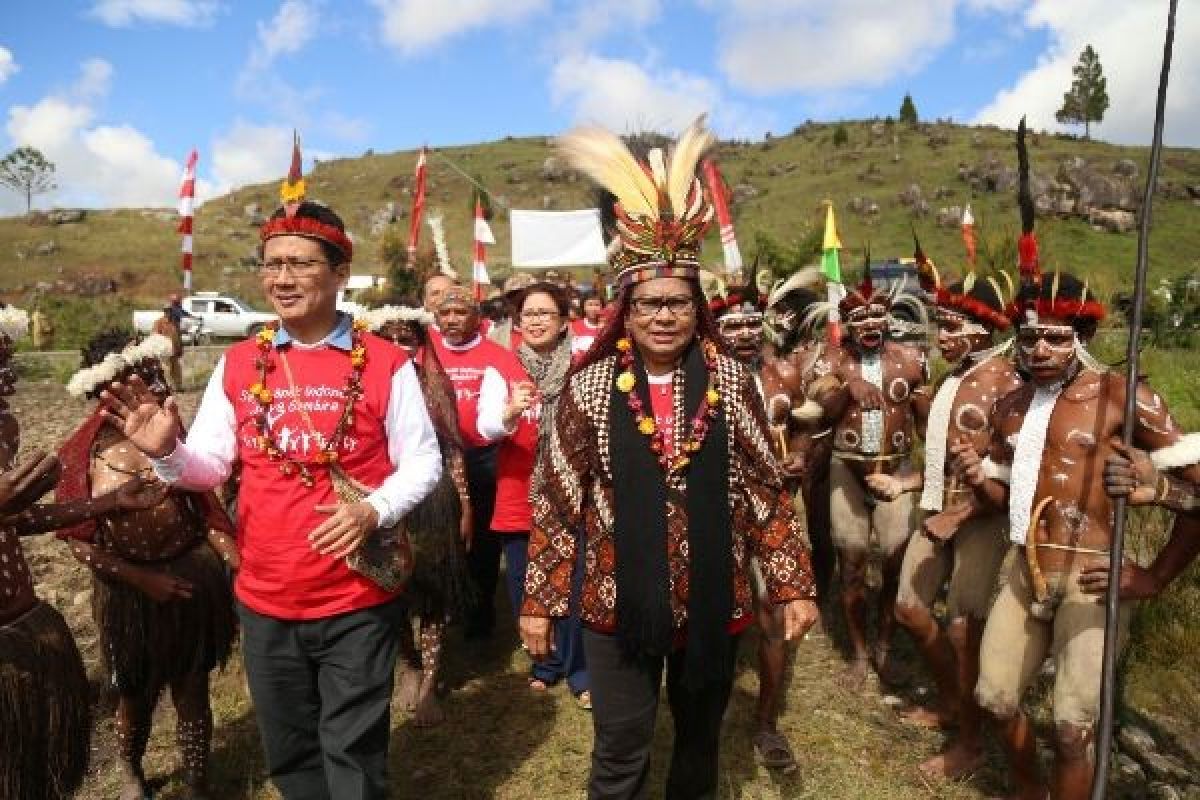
(501, 741)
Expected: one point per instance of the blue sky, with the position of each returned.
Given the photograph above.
(117, 91)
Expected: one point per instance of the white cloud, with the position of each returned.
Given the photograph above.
(250, 153)
(96, 165)
(8, 64)
(773, 46)
(414, 26)
(1131, 70)
(183, 13)
(624, 96)
(293, 26)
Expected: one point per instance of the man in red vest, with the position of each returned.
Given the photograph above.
(309, 407)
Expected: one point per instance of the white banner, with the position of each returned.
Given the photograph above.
(548, 239)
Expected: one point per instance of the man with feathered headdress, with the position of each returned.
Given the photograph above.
(962, 551)
(1050, 439)
(874, 392)
(661, 462)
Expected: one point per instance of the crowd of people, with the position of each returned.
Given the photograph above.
(659, 473)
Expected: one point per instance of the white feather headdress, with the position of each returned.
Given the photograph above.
(437, 230)
(86, 380)
(376, 318)
(14, 323)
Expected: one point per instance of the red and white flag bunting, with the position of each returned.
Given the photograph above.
(716, 188)
(483, 237)
(418, 208)
(187, 205)
(968, 233)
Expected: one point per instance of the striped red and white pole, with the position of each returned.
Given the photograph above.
(720, 198)
(483, 237)
(187, 207)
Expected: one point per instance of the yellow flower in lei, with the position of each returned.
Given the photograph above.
(624, 344)
(358, 357)
(646, 426)
(266, 336)
(712, 396)
(360, 325)
(626, 382)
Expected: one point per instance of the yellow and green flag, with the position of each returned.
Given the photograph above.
(831, 267)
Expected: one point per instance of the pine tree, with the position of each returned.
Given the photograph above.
(908, 111)
(27, 171)
(840, 136)
(1087, 100)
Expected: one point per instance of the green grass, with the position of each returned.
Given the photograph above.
(793, 174)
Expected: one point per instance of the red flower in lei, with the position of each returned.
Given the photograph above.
(696, 431)
(265, 397)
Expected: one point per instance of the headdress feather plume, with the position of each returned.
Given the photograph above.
(604, 158)
(437, 231)
(1027, 246)
(293, 189)
(690, 148)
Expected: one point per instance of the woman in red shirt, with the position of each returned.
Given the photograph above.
(517, 410)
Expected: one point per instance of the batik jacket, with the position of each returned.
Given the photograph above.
(575, 496)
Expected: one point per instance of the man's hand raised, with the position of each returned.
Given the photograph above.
(136, 412)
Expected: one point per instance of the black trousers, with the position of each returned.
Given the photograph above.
(624, 706)
(322, 691)
(483, 561)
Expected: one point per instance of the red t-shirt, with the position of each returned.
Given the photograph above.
(514, 464)
(281, 575)
(583, 334)
(465, 367)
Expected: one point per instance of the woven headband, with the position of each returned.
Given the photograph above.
(309, 228)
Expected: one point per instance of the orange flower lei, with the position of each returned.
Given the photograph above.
(701, 422)
(265, 340)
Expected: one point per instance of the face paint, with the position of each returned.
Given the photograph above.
(1047, 352)
(868, 325)
(954, 335)
(743, 333)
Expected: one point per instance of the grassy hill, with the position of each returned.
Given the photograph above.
(780, 185)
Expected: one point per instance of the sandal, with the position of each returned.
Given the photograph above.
(774, 751)
(584, 699)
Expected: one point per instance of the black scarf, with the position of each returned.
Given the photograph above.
(644, 622)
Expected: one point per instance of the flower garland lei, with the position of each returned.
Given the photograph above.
(266, 442)
(700, 424)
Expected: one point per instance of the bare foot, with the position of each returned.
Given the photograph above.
(410, 688)
(889, 669)
(429, 709)
(955, 762)
(855, 675)
(133, 789)
(537, 685)
(934, 719)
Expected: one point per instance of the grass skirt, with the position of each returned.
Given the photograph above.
(146, 645)
(45, 711)
(440, 582)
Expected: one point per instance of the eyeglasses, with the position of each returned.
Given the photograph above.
(678, 306)
(538, 314)
(300, 267)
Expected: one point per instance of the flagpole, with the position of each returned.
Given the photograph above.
(1116, 551)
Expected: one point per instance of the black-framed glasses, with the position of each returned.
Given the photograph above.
(677, 305)
(302, 267)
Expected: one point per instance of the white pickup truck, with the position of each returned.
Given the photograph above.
(219, 315)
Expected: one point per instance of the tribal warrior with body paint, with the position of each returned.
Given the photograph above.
(874, 390)
(961, 551)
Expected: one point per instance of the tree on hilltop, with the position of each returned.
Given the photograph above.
(908, 111)
(840, 135)
(27, 171)
(1087, 99)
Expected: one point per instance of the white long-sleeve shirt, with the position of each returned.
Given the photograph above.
(493, 397)
(205, 459)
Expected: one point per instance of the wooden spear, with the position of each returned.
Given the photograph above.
(1112, 601)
